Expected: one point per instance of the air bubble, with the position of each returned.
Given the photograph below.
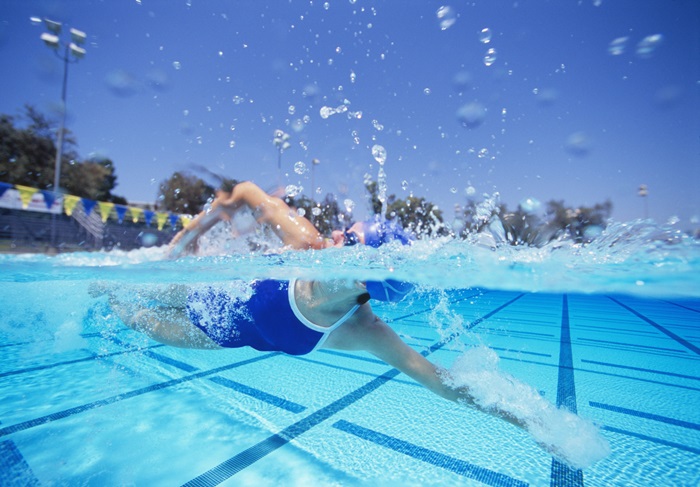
(379, 154)
(446, 17)
(426, 91)
(485, 35)
(490, 57)
(530, 205)
(177, 65)
(404, 185)
(292, 109)
(648, 45)
(292, 190)
(483, 153)
(471, 115)
(300, 168)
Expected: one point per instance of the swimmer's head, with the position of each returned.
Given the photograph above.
(374, 233)
(378, 232)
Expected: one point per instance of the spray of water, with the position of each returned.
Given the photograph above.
(572, 439)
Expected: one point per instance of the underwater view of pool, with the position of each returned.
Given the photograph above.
(609, 331)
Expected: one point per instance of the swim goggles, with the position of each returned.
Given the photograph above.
(350, 238)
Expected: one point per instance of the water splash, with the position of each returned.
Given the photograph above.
(571, 438)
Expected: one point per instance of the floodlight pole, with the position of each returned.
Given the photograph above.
(72, 52)
(62, 126)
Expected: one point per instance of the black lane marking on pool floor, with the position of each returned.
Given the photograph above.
(652, 439)
(76, 361)
(460, 467)
(683, 306)
(14, 469)
(663, 330)
(121, 397)
(640, 369)
(650, 416)
(562, 475)
(249, 456)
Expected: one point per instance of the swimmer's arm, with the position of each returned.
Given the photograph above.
(186, 239)
(371, 334)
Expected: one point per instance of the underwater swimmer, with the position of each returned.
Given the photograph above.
(295, 231)
(297, 317)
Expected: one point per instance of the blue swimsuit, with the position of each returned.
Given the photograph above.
(268, 320)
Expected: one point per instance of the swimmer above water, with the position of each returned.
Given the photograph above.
(297, 317)
(295, 231)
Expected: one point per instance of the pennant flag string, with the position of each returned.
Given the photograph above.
(106, 208)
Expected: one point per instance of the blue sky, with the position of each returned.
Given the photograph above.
(170, 84)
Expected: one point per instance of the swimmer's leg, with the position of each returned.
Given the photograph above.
(171, 295)
(168, 325)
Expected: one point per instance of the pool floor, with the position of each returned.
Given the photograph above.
(114, 408)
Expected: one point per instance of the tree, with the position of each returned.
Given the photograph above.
(28, 157)
(184, 193)
(325, 215)
(416, 215)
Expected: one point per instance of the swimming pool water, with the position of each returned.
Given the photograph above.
(86, 401)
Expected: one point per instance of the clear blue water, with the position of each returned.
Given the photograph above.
(611, 329)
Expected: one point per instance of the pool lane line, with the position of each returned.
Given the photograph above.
(75, 361)
(608, 374)
(640, 369)
(14, 469)
(561, 474)
(25, 425)
(460, 467)
(653, 439)
(633, 345)
(663, 330)
(650, 416)
(228, 468)
(682, 306)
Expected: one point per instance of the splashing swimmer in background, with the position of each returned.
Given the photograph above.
(295, 231)
(298, 316)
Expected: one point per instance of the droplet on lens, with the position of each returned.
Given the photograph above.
(471, 115)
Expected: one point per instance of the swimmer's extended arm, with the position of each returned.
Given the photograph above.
(186, 238)
(369, 333)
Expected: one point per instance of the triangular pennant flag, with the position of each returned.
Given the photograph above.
(148, 215)
(88, 205)
(105, 209)
(4, 187)
(49, 198)
(25, 194)
(121, 212)
(161, 218)
(173, 219)
(136, 214)
(69, 202)
(185, 220)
